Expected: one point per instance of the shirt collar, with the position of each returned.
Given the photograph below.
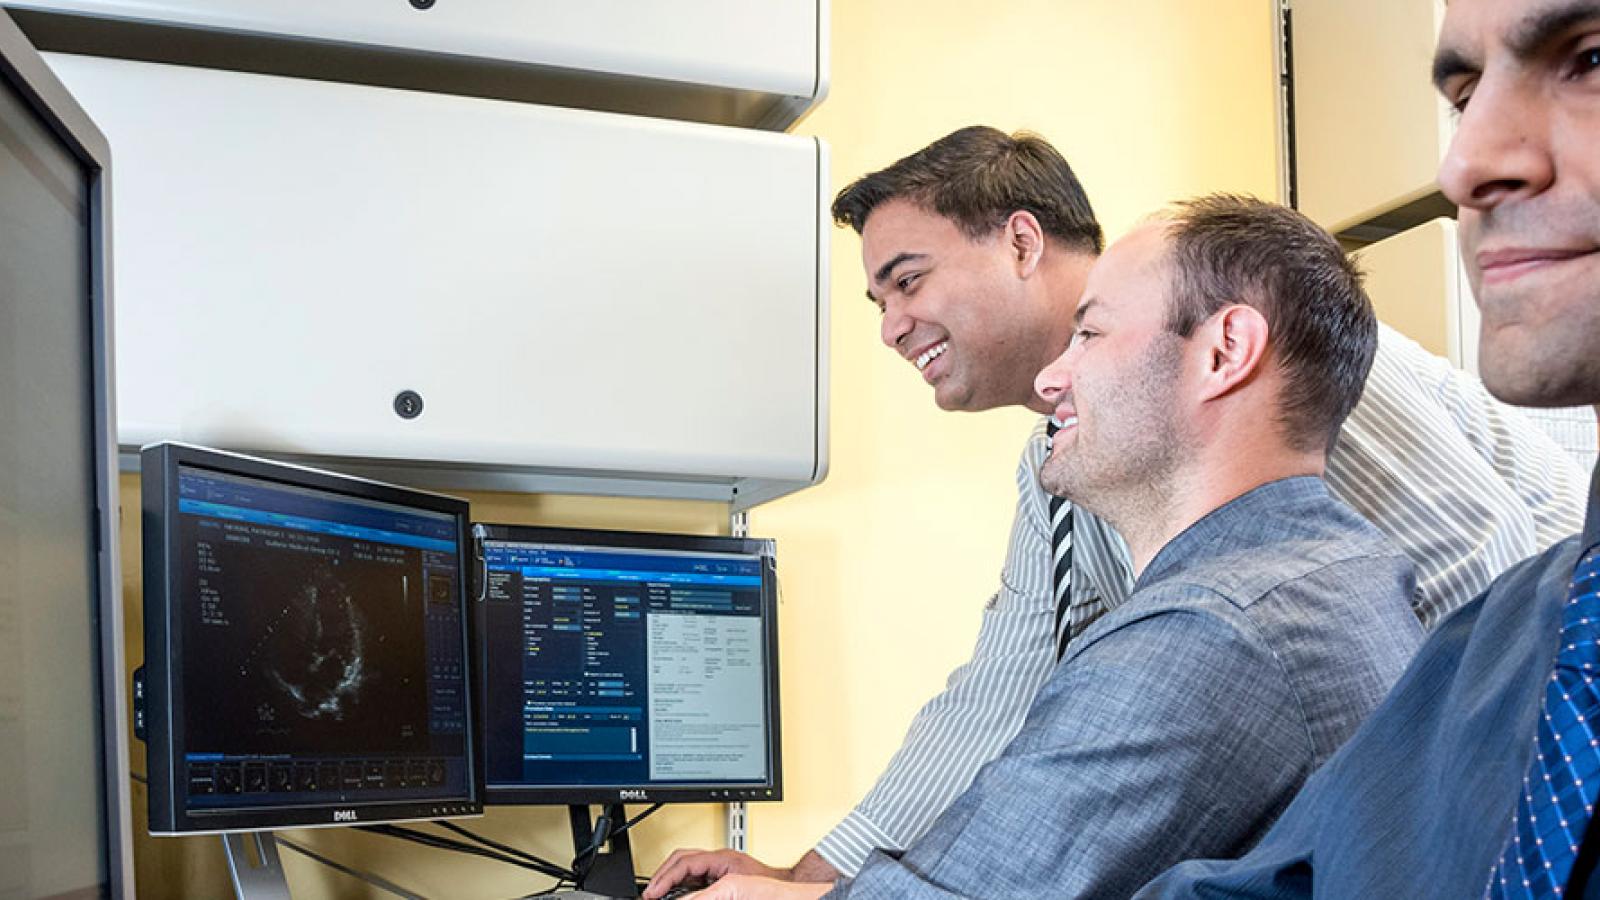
(1198, 537)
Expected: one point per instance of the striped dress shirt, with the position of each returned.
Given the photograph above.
(1460, 482)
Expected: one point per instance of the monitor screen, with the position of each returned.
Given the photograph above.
(307, 641)
(64, 798)
(628, 667)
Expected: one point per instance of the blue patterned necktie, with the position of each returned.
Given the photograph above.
(1559, 791)
(1060, 559)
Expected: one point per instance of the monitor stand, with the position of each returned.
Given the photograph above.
(262, 878)
(611, 873)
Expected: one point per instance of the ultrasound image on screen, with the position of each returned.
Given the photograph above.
(308, 633)
(328, 680)
(313, 640)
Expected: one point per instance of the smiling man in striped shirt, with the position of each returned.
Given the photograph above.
(976, 249)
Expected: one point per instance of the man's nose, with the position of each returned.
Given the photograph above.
(895, 324)
(1054, 380)
(1500, 149)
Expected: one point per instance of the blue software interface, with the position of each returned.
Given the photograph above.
(609, 666)
(323, 653)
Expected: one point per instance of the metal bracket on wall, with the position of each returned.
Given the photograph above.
(1288, 187)
(738, 826)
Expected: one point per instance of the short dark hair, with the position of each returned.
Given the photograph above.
(977, 177)
(1228, 249)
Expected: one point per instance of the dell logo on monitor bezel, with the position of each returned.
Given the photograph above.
(344, 815)
(635, 795)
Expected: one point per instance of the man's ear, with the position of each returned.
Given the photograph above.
(1234, 340)
(1025, 240)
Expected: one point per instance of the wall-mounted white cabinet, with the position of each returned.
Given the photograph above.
(760, 64)
(1369, 128)
(581, 300)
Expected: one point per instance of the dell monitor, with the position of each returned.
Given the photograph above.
(627, 667)
(307, 647)
(64, 797)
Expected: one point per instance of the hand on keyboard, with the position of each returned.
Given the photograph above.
(703, 867)
(755, 887)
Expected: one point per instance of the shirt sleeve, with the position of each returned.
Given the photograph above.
(1464, 485)
(1174, 736)
(1550, 483)
(983, 703)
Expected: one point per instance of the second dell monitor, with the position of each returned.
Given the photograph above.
(628, 667)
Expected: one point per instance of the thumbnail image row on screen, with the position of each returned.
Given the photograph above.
(310, 777)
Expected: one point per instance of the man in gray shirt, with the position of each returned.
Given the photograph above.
(1216, 353)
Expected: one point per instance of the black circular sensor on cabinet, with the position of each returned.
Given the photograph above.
(422, 4)
(408, 404)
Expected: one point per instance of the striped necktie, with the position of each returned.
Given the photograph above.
(1559, 791)
(1060, 560)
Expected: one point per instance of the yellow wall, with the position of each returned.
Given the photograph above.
(886, 565)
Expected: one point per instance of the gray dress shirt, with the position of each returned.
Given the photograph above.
(1181, 723)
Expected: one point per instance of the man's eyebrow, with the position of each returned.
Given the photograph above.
(1531, 35)
(1083, 310)
(1540, 28)
(882, 274)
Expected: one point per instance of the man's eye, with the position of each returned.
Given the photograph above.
(1081, 335)
(904, 282)
(1587, 60)
(1458, 94)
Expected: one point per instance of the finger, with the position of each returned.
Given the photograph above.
(669, 874)
(677, 855)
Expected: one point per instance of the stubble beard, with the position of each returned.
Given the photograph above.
(1525, 367)
(1125, 472)
(1535, 348)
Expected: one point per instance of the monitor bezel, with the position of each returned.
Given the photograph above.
(25, 71)
(159, 467)
(765, 549)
